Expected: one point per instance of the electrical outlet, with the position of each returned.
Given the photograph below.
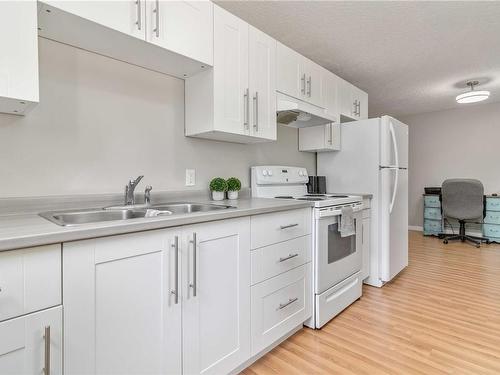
(190, 177)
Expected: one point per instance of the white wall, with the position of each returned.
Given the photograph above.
(101, 121)
(458, 143)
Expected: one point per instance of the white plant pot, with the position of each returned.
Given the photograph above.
(232, 195)
(217, 195)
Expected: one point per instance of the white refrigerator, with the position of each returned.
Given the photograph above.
(374, 159)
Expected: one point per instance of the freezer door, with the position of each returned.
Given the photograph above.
(393, 143)
(394, 222)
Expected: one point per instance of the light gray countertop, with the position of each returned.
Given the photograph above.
(29, 229)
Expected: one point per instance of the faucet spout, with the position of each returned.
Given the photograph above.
(130, 189)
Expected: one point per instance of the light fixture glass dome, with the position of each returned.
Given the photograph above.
(472, 96)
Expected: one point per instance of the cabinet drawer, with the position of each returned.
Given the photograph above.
(279, 305)
(432, 201)
(272, 260)
(280, 226)
(492, 204)
(433, 226)
(491, 230)
(30, 280)
(22, 343)
(432, 213)
(492, 217)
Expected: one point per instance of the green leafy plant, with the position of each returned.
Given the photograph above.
(218, 184)
(233, 184)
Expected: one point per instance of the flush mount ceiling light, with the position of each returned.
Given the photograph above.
(472, 96)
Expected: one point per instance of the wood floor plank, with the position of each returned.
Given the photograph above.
(441, 315)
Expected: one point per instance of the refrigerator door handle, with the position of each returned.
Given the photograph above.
(393, 199)
(394, 143)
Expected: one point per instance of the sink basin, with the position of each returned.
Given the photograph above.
(68, 218)
(186, 207)
(76, 217)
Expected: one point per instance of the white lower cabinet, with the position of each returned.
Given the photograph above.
(160, 302)
(32, 344)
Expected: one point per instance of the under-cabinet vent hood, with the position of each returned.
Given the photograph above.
(299, 114)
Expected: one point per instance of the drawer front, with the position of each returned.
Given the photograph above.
(270, 261)
(492, 217)
(22, 343)
(334, 300)
(432, 201)
(279, 305)
(492, 204)
(491, 230)
(281, 226)
(432, 213)
(30, 280)
(433, 226)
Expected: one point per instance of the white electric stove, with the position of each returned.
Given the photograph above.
(337, 260)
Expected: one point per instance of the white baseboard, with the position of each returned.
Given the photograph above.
(415, 227)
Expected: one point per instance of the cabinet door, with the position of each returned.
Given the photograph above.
(231, 91)
(32, 343)
(330, 97)
(365, 235)
(262, 84)
(126, 16)
(347, 105)
(288, 72)
(120, 315)
(184, 27)
(361, 99)
(216, 304)
(312, 73)
(19, 56)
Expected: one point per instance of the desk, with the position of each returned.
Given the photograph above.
(434, 223)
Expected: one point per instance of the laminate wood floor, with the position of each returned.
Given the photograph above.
(441, 315)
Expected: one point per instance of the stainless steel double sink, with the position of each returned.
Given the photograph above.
(86, 216)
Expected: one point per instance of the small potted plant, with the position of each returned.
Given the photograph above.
(218, 186)
(233, 187)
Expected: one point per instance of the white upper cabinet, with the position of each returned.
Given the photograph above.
(353, 101)
(185, 27)
(236, 100)
(178, 33)
(18, 57)
(298, 76)
(128, 17)
(320, 138)
(330, 87)
(216, 290)
(262, 84)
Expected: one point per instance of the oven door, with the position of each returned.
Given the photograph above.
(336, 257)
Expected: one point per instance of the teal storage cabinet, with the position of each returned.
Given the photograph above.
(491, 226)
(433, 219)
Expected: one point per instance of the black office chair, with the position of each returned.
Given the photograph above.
(462, 199)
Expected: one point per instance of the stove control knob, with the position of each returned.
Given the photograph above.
(300, 173)
(264, 172)
(270, 172)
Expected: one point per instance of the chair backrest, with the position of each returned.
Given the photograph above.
(462, 199)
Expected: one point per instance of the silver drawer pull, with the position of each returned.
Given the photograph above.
(46, 337)
(290, 301)
(290, 256)
(288, 226)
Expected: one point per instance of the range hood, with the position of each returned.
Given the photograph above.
(299, 114)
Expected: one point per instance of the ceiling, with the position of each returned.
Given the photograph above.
(411, 57)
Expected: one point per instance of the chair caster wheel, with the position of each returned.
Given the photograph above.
(445, 242)
(478, 246)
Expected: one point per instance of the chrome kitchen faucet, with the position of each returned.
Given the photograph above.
(129, 190)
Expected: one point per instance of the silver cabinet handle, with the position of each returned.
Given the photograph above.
(157, 18)
(46, 338)
(290, 256)
(139, 15)
(246, 104)
(355, 106)
(303, 84)
(309, 85)
(290, 301)
(256, 111)
(330, 139)
(194, 283)
(359, 107)
(288, 226)
(175, 292)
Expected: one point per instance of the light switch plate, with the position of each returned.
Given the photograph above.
(190, 177)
